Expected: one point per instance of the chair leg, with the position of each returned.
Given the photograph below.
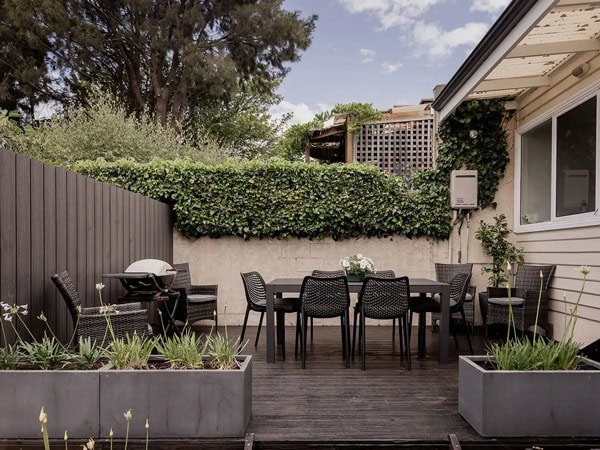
(298, 334)
(394, 331)
(303, 346)
(364, 342)
(354, 332)
(245, 323)
(343, 330)
(262, 315)
(312, 328)
(462, 313)
(406, 338)
(400, 336)
(422, 338)
(280, 332)
(348, 338)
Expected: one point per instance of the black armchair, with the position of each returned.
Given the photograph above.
(196, 302)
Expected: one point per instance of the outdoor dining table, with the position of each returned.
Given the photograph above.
(279, 286)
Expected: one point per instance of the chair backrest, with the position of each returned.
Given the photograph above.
(69, 293)
(325, 297)
(383, 274)
(328, 273)
(384, 298)
(255, 288)
(183, 279)
(458, 288)
(528, 276)
(446, 272)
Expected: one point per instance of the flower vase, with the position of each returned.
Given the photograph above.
(355, 277)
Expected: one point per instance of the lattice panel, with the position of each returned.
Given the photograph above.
(397, 147)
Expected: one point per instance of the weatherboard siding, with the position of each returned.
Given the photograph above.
(567, 248)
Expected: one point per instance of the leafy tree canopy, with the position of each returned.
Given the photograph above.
(163, 55)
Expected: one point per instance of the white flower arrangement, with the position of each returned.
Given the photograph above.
(357, 265)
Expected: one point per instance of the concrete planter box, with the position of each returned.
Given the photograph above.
(499, 403)
(178, 403)
(70, 398)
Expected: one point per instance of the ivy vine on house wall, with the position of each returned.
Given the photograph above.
(284, 199)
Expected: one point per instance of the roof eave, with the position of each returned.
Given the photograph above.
(516, 20)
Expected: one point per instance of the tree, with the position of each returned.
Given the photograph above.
(164, 55)
(242, 123)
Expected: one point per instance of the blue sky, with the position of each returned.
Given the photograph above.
(384, 52)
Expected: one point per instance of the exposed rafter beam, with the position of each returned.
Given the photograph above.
(555, 48)
(501, 84)
(576, 3)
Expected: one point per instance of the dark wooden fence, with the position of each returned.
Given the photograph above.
(52, 220)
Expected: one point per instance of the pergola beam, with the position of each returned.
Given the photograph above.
(501, 84)
(576, 3)
(555, 48)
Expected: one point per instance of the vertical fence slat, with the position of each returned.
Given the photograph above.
(50, 293)
(90, 253)
(65, 242)
(8, 232)
(37, 245)
(80, 237)
(23, 216)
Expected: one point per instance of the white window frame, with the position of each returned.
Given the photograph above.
(571, 221)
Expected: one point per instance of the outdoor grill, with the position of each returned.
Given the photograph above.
(147, 280)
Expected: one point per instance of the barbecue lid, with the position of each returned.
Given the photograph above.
(154, 266)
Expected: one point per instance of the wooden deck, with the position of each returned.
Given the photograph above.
(329, 406)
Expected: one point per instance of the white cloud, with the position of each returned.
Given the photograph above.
(388, 67)
(367, 55)
(490, 6)
(301, 112)
(437, 42)
(390, 13)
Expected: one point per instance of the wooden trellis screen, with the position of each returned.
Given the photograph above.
(398, 147)
(52, 220)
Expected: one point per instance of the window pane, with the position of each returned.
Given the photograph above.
(536, 157)
(576, 160)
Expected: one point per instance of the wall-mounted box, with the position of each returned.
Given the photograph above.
(463, 189)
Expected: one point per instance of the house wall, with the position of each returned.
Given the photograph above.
(567, 248)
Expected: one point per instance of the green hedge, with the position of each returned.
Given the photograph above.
(282, 199)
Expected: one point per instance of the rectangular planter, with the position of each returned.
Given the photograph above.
(70, 398)
(178, 403)
(501, 403)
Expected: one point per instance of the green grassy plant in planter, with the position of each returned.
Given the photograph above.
(534, 387)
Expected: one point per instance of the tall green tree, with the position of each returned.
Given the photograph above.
(242, 122)
(163, 55)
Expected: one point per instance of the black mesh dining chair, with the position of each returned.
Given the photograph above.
(445, 272)
(256, 300)
(323, 274)
(383, 299)
(324, 298)
(422, 305)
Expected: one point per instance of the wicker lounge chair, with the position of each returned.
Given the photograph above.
(196, 302)
(126, 319)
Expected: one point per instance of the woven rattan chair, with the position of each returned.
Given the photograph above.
(524, 298)
(196, 302)
(445, 273)
(324, 298)
(256, 300)
(125, 319)
(422, 305)
(382, 298)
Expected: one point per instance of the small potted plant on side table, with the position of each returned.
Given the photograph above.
(493, 238)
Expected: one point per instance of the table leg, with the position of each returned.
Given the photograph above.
(280, 330)
(270, 325)
(444, 323)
